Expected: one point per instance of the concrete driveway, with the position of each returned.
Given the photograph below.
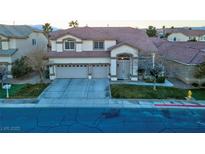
(78, 88)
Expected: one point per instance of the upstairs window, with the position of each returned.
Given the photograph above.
(34, 42)
(99, 45)
(69, 45)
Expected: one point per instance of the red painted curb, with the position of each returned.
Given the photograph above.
(180, 105)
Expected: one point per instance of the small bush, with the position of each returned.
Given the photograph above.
(195, 84)
(161, 79)
(203, 84)
(21, 67)
(46, 74)
(150, 79)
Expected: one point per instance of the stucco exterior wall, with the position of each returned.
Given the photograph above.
(53, 45)
(6, 60)
(81, 45)
(5, 45)
(25, 46)
(12, 43)
(109, 43)
(78, 60)
(183, 72)
(124, 49)
(202, 38)
(179, 37)
(87, 45)
(61, 39)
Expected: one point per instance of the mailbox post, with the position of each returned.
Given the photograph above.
(7, 86)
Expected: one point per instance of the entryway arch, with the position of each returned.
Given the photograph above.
(124, 63)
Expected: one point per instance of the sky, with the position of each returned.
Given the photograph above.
(134, 13)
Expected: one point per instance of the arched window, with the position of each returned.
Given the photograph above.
(174, 39)
(69, 44)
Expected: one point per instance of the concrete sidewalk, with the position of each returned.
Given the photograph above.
(106, 103)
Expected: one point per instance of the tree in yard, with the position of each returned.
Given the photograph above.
(73, 23)
(155, 73)
(151, 31)
(21, 67)
(37, 60)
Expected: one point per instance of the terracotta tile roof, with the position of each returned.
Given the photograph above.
(74, 54)
(186, 31)
(185, 52)
(132, 36)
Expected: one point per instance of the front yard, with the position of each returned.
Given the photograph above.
(147, 92)
(24, 90)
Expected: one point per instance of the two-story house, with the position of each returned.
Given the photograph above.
(17, 41)
(98, 52)
(185, 35)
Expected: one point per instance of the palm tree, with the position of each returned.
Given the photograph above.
(73, 23)
(47, 29)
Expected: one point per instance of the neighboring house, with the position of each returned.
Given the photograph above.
(17, 41)
(181, 59)
(184, 35)
(98, 52)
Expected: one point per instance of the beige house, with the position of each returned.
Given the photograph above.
(181, 59)
(17, 41)
(98, 52)
(185, 35)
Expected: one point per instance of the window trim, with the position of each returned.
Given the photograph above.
(98, 45)
(69, 40)
(34, 42)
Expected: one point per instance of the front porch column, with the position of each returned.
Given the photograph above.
(134, 76)
(113, 69)
(52, 72)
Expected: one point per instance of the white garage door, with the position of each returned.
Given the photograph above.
(100, 71)
(72, 71)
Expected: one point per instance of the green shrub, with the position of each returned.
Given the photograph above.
(161, 79)
(21, 67)
(46, 74)
(150, 79)
(195, 84)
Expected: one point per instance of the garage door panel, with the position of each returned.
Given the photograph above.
(100, 71)
(71, 72)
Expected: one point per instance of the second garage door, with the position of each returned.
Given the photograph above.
(100, 71)
(74, 71)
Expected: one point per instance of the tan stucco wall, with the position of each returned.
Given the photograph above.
(179, 37)
(25, 46)
(78, 60)
(182, 71)
(81, 45)
(124, 49)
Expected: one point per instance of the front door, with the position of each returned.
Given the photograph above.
(123, 69)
